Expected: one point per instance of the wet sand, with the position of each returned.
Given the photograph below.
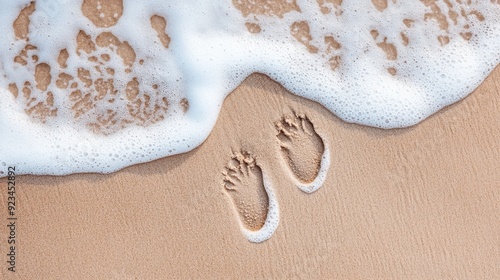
(414, 203)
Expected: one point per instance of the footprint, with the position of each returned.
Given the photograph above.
(304, 151)
(252, 197)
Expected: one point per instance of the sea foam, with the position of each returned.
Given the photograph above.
(147, 79)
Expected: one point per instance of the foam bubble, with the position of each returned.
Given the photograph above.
(147, 80)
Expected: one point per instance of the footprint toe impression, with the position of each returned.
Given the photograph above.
(252, 197)
(303, 150)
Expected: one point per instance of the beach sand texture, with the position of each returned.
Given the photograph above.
(414, 203)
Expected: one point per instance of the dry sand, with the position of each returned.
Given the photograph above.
(415, 203)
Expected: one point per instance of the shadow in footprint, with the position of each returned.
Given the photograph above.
(252, 197)
(304, 151)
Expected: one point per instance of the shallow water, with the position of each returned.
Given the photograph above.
(94, 87)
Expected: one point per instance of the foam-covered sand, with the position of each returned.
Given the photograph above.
(326, 199)
(106, 86)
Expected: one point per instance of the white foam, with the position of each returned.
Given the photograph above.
(211, 52)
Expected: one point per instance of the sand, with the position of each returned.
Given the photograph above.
(414, 203)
